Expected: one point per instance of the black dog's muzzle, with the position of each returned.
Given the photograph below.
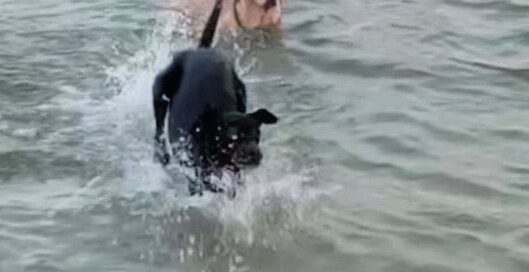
(248, 155)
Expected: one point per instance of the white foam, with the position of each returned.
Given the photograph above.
(27, 133)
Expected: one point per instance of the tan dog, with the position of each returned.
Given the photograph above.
(235, 14)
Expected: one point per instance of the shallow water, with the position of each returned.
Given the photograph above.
(402, 146)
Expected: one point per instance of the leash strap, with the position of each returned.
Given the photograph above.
(211, 26)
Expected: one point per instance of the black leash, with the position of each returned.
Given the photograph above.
(211, 26)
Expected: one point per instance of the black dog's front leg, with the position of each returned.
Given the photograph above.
(160, 110)
(199, 183)
(165, 86)
(160, 151)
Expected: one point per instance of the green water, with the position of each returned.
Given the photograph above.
(403, 143)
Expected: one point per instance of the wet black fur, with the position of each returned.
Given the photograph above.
(204, 98)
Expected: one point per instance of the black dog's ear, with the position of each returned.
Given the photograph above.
(235, 118)
(263, 116)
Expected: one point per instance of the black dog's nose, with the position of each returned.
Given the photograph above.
(270, 4)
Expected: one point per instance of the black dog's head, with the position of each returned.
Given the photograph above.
(240, 136)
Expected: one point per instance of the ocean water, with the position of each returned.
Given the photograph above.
(403, 143)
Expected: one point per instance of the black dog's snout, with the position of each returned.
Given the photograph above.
(250, 155)
(270, 4)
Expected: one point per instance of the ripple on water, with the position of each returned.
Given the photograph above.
(415, 109)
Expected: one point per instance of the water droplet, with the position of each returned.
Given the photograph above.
(182, 256)
(216, 249)
(238, 259)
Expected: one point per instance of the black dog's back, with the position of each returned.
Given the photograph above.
(206, 81)
(197, 79)
(206, 101)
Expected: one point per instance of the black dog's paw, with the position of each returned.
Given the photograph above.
(238, 178)
(162, 158)
(231, 193)
(223, 186)
(160, 151)
(194, 188)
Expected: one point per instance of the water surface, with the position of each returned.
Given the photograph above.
(402, 146)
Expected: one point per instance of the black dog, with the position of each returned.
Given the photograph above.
(207, 107)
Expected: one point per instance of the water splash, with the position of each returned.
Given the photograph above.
(119, 131)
